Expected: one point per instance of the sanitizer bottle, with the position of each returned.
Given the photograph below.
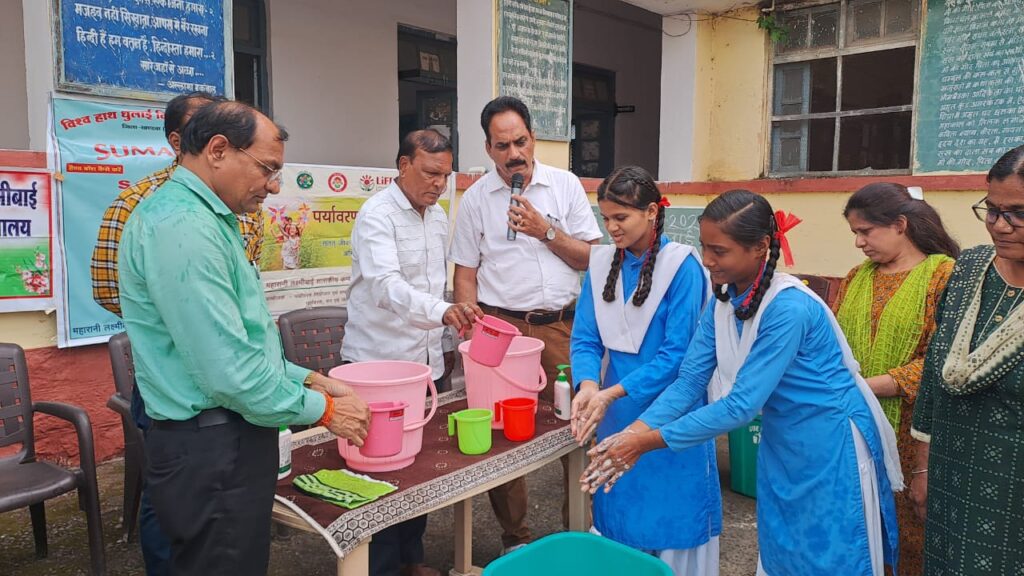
(284, 451)
(563, 394)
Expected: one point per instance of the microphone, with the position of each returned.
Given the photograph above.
(517, 189)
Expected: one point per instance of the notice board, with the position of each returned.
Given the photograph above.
(535, 61)
(971, 89)
(143, 49)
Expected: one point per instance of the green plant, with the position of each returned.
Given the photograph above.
(776, 30)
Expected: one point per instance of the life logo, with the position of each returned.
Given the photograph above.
(337, 182)
(366, 183)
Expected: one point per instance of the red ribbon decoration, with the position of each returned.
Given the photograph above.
(664, 203)
(785, 223)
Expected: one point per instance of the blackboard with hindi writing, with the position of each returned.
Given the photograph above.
(535, 61)
(971, 88)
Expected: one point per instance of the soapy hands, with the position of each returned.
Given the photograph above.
(589, 407)
(617, 454)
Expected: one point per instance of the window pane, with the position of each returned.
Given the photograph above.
(797, 25)
(823, 27)
(865, 21)
(243, 15)
(247, 78)
(788, 146)
(803, 145)
(878, 79)
(900, 17)
(821, 143)
(794, 96)
(875, 142)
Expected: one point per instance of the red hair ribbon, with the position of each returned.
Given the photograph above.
(785, 222)
(664, 203)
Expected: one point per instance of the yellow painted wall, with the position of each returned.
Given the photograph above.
(823, 244)
(29, 329)
(731, 100)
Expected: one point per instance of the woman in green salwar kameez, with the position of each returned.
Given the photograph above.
(968, 481)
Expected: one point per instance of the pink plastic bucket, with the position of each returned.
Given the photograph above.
(520, 375)
(491, 339)
(390, 381)
(384, 437)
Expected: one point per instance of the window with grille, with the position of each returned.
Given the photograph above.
(843, 87)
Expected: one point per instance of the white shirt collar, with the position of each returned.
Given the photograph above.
(541, 177)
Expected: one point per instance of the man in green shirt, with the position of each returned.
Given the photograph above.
(208, 356)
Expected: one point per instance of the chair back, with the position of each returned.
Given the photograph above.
(15, 404)
(123, 364)
(825, 287)
(312, 336)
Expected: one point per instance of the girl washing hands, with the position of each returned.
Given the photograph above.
(640, 303)
(827, 463)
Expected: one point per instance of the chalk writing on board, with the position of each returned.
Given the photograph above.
(124, 47)
(534, 61)
(972, 84)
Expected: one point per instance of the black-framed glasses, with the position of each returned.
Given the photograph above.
(989, 215)
(273, 176)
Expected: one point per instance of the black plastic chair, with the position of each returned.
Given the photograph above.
(312, 336)
(134, 450)
(27, 482)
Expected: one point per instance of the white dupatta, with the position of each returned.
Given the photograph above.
(622, 325)
(731, 350)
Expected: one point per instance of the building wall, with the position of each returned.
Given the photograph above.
(13, 97)
(334, 74)
(729, 134)
(620, 37)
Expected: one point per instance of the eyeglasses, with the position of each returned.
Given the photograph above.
(989, 215)
(273, 176)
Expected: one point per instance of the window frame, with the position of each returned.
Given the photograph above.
(260, 51)
(839, 51)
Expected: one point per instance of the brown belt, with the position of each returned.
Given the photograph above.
(534, 317)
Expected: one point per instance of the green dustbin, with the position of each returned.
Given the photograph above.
(743, 443)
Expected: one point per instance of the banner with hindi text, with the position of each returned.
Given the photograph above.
(307, 256)
(26, 241)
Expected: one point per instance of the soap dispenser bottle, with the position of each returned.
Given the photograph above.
(563, 394)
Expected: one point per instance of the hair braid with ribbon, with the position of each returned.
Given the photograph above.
(634, 187)
(748, 219)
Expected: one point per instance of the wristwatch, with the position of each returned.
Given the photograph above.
(549, 235)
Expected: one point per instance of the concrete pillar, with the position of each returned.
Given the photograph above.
(39, 82)
(678, 97)
(475, 24)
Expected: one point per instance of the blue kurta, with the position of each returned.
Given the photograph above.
(669, 500)
(809, 506)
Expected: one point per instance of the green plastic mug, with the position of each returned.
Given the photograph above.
(474, 430)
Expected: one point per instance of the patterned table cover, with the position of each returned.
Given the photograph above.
(440, 474)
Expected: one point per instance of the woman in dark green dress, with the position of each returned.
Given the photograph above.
(968, 481)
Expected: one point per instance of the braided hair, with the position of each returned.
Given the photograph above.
(747, 218)
(633, 187)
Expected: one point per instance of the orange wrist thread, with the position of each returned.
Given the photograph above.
(325, 420)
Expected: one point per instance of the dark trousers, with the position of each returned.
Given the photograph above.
(397, 545)
(510, 501)
(156, 548)
(213, 490)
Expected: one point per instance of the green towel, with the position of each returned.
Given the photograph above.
(342, 488)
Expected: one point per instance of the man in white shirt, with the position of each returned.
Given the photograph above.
(396, 307)
(531, 281)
